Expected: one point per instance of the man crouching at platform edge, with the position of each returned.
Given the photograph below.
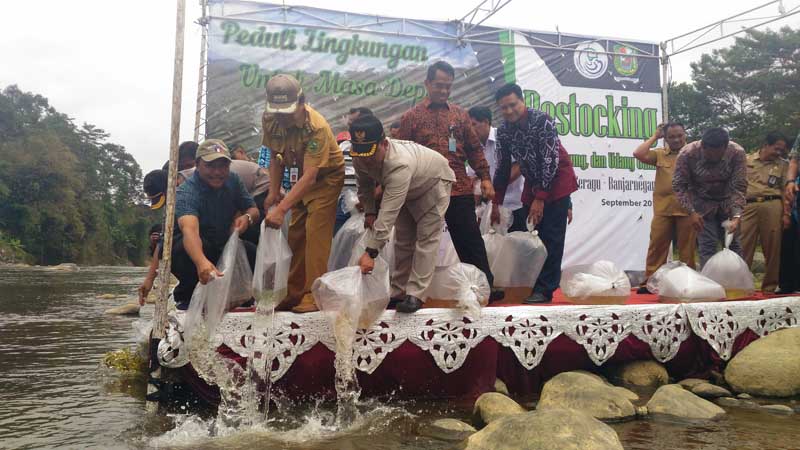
(416, 194)
(208, 207)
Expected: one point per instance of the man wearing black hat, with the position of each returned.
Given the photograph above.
(416, 193)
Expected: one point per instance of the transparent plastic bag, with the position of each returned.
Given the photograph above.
(655, 279)
(484, 213)
(447, 251)
(520, 261)
(683, 284)
(271, 274)
(598, 283)
(729, 270)
(210, 301)
(346, 241)
(352, 297)
(463, 283)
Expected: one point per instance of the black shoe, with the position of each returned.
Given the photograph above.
(536, 298)
(781, 291)
(643, 290)
(393, 301)
(409, 305)
(496, 295)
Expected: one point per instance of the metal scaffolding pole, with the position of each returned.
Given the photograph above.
(201, 72)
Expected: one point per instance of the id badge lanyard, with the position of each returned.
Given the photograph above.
(451, 139)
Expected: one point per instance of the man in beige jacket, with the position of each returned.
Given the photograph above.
(416, 193)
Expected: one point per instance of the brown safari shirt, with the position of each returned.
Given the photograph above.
(765, 178)
(664, 201)
(311, 144)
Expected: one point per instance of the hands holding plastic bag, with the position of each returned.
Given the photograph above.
(271, 273)
(354, 297)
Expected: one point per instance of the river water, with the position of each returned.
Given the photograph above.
(55, 393)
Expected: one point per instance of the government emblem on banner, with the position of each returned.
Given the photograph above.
(590, 59)
(626, 63)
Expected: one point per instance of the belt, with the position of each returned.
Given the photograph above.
(765, 198)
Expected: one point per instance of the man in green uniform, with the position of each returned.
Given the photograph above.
(762, 219)
(301, 141)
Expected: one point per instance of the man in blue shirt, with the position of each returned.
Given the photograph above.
(208, 207)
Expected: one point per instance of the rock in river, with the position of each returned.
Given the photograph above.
(130, 309)
(640, 373)
(588, 393)
(769, 366)
(492, 406)
(553, 429)
(674, 400)
(448, 430)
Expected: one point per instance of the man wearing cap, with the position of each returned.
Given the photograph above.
(301, 141)
(155, 186)
(208, 207)
(416, 193)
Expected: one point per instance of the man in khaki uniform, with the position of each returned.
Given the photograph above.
(670, 220)
(763, 216)
(301, 141)
(416, 193)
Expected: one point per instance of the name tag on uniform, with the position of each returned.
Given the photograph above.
(772, 181)
(451, 144)
(294, 174)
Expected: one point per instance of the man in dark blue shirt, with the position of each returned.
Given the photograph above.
(208, 207)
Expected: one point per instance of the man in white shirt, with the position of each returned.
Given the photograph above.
(481, 118)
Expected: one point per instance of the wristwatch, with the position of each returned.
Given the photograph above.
(249, 218)
(373, 253)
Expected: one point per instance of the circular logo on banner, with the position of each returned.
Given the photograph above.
(591, 60)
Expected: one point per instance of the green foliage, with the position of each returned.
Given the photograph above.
(66, 194)
(750, 88)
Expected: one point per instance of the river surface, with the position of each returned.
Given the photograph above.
(55, 392)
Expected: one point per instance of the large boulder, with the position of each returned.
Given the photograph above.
(674, 400)
(769, 366)
(554, 429)
(640, 374)
(588, 393)
(492, 406)
(448, 430)
(131, 309)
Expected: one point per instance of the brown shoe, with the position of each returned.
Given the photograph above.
(306, 305)
(287, 304)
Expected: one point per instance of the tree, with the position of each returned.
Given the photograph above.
(76, 196)
(750, 88)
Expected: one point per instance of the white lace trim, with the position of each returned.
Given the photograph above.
(449, 336)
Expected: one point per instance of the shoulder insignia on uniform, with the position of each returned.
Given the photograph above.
(313, 146)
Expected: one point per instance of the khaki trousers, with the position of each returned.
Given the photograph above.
(310, 236)
(763, 221)
(662, 231)
(416, 247)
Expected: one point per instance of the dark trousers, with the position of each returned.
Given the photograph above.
(463, 226)
(520, 217)
(552, 229)
(186, 272)
(790, 258)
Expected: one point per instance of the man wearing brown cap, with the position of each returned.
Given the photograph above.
(416, 193)
(208, 206)
(301, 141)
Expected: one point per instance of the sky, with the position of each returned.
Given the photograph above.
(110, 62)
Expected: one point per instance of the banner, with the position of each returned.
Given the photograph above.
(604, 95)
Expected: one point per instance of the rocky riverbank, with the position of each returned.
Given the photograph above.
(575, 408)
